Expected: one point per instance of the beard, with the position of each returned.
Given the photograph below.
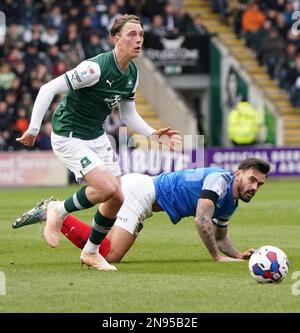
(245, 196)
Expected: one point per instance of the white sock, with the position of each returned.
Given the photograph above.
(91, 247)
(61, 210)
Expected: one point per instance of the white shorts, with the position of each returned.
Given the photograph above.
(81, 156)
(139, 196)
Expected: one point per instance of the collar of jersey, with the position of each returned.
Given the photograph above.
(116, 63)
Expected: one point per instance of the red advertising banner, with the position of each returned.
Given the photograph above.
(34, 168)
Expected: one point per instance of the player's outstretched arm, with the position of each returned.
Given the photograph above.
(203, 220)
(226, 246)
(167, 136)
(132, 119)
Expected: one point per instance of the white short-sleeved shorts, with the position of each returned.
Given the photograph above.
(81, 156)
(139, 196)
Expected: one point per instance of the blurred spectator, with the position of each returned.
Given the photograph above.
(21, 122)
(6, 77)
(197, 26)
(158, 28)
(73, 48)
(31, 57)
(261, 34)
(43, 140)
(14, 57)
(59, 68)
(238, 10)
(14, 37)
(5, 117)
(220, 6)
(55, 19)
(94, 16)
(288, 64)
(29, 13)
(39, 76)
(288, 13)
(170, 19)
(184, 18)
(112, 125)
(123, 6)
(108, 18)
(95, 45)
(252, 20)
(273, 50)
(74, 15)
(293, 82)
(12, 104)
(12, 11)
(33, 36)
(281, 25)
(53, 56)
(243, 124)
(49, 36)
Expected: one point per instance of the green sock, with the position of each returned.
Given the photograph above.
(78, 201)
(100, 227)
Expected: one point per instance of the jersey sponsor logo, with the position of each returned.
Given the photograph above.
(113, 101)
(109, 82)
(84, 74)
(85, 162)
(77, 76)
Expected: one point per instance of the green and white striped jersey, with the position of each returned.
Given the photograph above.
(96, 86)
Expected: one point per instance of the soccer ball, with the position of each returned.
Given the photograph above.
(268, 264)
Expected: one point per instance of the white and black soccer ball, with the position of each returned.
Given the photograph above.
(268, 264)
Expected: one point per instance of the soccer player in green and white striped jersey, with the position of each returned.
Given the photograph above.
(93, 89)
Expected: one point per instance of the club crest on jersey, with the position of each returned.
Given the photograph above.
(129, 83)
(85, 162)
(113, 101)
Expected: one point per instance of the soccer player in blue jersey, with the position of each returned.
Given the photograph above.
(93, 89)
(211, 195)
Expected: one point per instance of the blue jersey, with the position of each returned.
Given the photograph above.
(178, 192)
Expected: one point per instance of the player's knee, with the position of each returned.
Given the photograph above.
(118, 197)
(114, 256)
(107, 190)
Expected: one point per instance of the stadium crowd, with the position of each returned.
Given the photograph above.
(44, 39)
(270, 29)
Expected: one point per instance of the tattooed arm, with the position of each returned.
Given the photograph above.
(226, 246)
(203, 220)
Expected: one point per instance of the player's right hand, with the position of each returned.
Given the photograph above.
(27, 139)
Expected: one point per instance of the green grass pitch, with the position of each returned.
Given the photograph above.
(167, 270)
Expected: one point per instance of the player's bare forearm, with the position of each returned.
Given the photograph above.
(205, 211)
(226, 246)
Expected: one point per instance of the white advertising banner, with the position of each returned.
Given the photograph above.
(36, 168)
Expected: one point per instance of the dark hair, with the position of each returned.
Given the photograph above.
(255, 163)
(121, 21)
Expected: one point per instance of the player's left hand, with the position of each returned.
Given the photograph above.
(167, 136)
(247, 254)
